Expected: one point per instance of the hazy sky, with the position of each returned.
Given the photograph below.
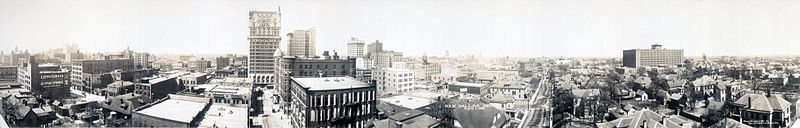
(597, 28)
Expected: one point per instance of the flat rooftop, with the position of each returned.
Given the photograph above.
(195, 75)
(233, 81)
(427, 94)
(230, 90)
(397, 70)
(174, 109)
(329, 83)
(469, 84)
(407, 101)
(225, 117)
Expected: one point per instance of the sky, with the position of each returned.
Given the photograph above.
(489, 28)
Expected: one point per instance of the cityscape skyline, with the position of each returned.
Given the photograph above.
(393, 64)
(520, 28)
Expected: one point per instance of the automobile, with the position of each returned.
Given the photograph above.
(275, 108)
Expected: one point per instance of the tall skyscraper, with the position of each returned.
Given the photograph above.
(655, 56)
(264, 40)
(374, 48)
(355, 48)
(302, 43)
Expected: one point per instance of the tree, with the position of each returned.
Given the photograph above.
(439, 110)
(714, 116)
(693, 96)
(563, 102)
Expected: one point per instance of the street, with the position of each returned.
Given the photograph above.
(272, 119)
(539, 106)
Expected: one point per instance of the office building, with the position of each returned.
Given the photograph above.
(223, 62)
(374, 48)
(309, 67)
(384, 59)
(393, 81)
(331, 102)
(302, 43)
(48, 81)
(424, 71)
(199, 65)
(90, 74)
(264, 41)
(355, 48)
(140, 60)
(8, 73)
(14, 57)
(655, 56)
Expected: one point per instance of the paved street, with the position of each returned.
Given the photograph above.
(276, 119)
(539, 106)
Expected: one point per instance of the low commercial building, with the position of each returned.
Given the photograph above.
(410, 118)
(498, 75)
(194, 79)
(444, 78)
(469, 88)
(119, 88)
(157, 88)
(233, 82)
(516, 89)
(224, 116)
(229, 95)
(331, 102)
(174, 111)
(124, 104)
(401, 103)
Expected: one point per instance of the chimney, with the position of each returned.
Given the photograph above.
(398, 124)
(769, 93)
(644, 124)
(749, 100)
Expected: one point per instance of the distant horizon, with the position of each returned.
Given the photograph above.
(480, 28)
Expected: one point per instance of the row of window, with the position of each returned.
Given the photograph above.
(341, 99)
(326, 114)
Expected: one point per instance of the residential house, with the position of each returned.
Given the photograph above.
(646, 118)
(762, 110)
